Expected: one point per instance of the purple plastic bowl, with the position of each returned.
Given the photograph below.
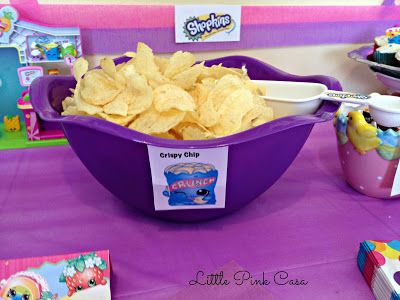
(117, 156)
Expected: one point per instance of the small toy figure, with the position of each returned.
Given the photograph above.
(340, 123)
(12, 123)
(84, 272)
(68, 49)
(26, 286)
(5, 22)
(361, 134)
(52, 51)
(36, 55)
(8, 16)
(53, 72)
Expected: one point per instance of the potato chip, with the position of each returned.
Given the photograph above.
(73, 111)
(179, 62)
(201, 92)
(69, 101)
(218, 71)
(193, 131)
(116, 107)
(205, 113)
(152, 121)
(166, 135)
(142, 92)
(97, 88)
(161, 63)
(170, 96)
(190, 117)
(82, 105)
(140, 104)
(258, 115)
(223, 88)
(186, 79)
(128, 71)
(80, 67)
(145, 64)
(208, 82)
(130, 54)
(120, 66)
(120, 120)
(266, 115)
(255, 88)
(87, 108)
(236, 105)
(108, 66)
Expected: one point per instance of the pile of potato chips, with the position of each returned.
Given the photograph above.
(169, 98)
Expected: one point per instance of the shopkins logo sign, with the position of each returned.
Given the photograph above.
(203, 27)
(212, 24)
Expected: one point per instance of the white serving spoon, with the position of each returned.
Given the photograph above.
(299, 98)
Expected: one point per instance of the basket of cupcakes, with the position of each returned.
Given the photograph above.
(383, 57)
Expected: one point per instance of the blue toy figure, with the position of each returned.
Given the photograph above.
(52, 52)
(13, 295)
(191, 184)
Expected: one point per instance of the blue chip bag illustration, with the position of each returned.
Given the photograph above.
(190, 184)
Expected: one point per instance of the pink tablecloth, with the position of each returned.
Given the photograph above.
(309, 224)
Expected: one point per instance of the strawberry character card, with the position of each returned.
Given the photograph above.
(65, 277)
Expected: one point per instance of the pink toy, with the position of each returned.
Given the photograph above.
(368, 155)
(36, 129)
(367, 173)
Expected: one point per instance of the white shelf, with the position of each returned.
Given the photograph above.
(45, 61)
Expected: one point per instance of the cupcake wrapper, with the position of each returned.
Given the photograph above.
(385, 58)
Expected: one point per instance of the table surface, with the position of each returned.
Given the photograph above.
(309, 224)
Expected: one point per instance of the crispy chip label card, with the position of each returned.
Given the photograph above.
(201, 23)
(79, 276)
(188, 178)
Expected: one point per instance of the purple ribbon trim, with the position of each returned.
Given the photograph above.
(115, 41)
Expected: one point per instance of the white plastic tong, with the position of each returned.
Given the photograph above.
(298, 98)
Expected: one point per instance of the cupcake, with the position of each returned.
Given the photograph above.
(380, 41)
(397, 57)
(386, 54)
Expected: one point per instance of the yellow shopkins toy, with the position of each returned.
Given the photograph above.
(12, 123)
(362, 135)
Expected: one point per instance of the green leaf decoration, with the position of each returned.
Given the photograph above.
(80, 264)
(103, 265)
(8, 15)
(47, 296)
(62, 278)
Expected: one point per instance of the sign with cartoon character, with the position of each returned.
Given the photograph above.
(188, 179)
(64, 277)
(84, 272)
(8, 16)
(190, 184)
